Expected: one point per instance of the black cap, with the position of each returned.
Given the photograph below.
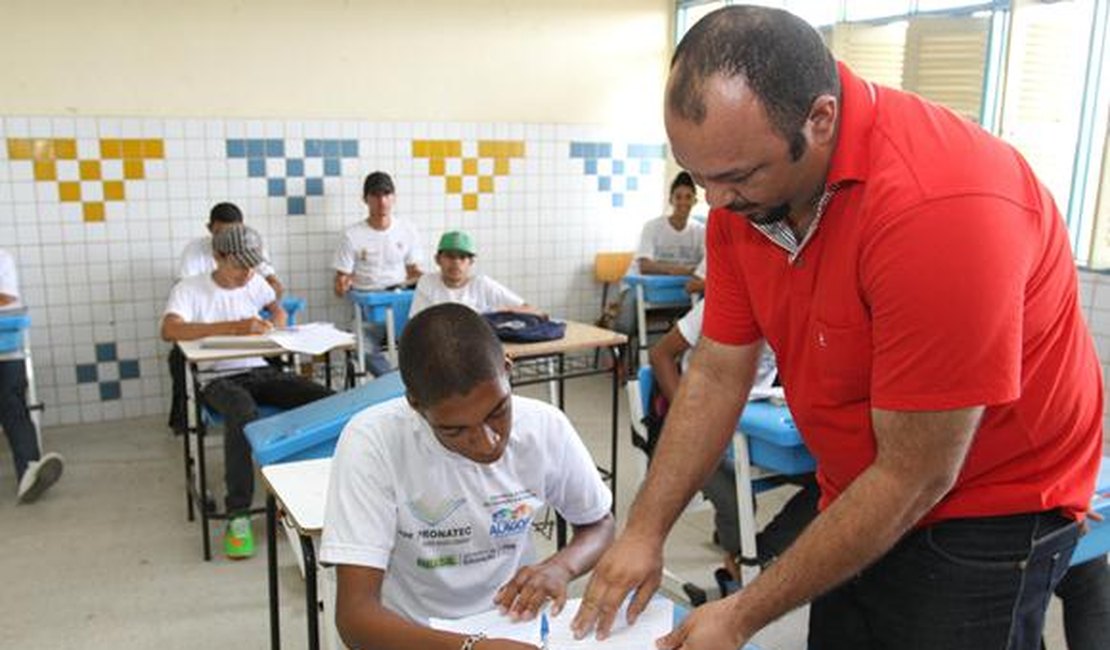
(377, 183)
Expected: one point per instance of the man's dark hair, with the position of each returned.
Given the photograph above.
(447, 350)
(225, 213)
(683, 179)
(377, 183)
(780, 56)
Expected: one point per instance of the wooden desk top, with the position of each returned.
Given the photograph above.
(580, 336)
(302, 488)
(196, 352)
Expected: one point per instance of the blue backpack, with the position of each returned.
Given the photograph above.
(515, 327)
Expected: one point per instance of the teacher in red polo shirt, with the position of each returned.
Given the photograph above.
(915, 282)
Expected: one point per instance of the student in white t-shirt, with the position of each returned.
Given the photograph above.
(432, 496)
(199, 259)
(227, 301)
(34, 472)
(455, 283)
(379, 252)
(670, 245)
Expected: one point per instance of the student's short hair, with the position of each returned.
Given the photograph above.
(225, 213)
(377, 183)
(683, 179)
(447, 350)
(780, 56)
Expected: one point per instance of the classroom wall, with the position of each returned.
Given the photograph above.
(534, 125)
(1094, 295)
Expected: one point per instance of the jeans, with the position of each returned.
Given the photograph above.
(374, 335)
(14, 416)
(975, 584)
(179, 403)
(236, 398)
(1085, 595)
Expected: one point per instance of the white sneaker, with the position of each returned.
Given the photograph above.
(39, 476)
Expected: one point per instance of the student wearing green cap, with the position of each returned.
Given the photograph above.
(455, 282)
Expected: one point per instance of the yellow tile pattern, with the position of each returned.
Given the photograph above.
(44, 155)
(445, 154)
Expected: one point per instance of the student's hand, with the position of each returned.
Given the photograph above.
(710, 626)
(695, 285)
(525, 595)
(343, 283)
(253, 325)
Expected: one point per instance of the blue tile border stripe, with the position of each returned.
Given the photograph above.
(637, 162)
(258, 151)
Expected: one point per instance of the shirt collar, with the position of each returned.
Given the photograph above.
(851, 158)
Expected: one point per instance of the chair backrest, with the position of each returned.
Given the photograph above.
(611, 266)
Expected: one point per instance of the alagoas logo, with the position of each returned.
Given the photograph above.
(510, 521)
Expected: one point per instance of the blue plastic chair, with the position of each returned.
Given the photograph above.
(655, 292)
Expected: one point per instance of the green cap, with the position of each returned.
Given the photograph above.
(456, 241)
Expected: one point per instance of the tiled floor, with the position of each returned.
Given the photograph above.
(108, 560)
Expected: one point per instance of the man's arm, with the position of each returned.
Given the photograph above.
(412, 274)
(649, 266)
(278, 317)
(343, 282)
(6, 300)
(918, 458)
(175, 328)
(524, 595)
(364, 622)
(664, 361)
(275, 284)
(699, 426)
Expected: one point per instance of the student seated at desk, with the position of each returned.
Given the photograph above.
(227, 302)
(669, 245)
(380, 252)
(199, 259)
(667, 356)
(455, 283)
(432, 496)
(34, 472)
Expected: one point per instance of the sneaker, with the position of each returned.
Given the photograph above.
(239, 539)
(39, 476)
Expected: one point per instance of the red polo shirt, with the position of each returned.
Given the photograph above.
(938, 277)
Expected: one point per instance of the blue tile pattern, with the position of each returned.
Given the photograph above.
(107, 354)
(624, 172)
(257, 151)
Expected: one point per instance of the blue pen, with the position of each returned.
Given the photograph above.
(544, 630)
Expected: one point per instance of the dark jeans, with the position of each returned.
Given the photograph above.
(975, 584)
(1085, 595)
(14, 416)
(237, 398)
(179, 406)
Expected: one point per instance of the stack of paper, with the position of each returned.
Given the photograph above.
(654, 622)
(311, 338)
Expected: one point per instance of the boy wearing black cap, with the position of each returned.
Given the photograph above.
(378, 252)
(227, 302)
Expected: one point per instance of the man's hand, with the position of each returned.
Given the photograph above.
(525, 595)
(253, 325)
(708, 627)
(695, 285)
(633, 562)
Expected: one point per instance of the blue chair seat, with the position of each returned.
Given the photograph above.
(311, 431)
(12, 326)
(374, 305)
(291, 305)
(661, 289)
(213, 418)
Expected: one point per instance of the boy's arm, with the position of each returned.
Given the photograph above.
(364, 622)
(412, 273)
(275, 284)
(278, 317)
(649, 266)
(175, 328)
(6, 300)
(664, 361)
(343, 282)
(524, 595)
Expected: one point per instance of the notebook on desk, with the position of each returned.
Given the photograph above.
(256, 341)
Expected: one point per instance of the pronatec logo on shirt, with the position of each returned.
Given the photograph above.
(510, 521)
(434, 513)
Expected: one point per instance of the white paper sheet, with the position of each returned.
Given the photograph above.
(654, 622)
(311, 338)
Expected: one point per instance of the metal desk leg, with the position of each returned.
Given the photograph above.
(271, 571)
(327, 369)
(641, 326)
(360, 341)
(312, 607)
(614, 429)
(190, 431)
(745, 505)
(560, 531)
(202, 492)
(390, 336)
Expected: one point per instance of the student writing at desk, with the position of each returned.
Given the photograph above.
(199, 259)
(35, 472)
(227, 302)
(432, 496)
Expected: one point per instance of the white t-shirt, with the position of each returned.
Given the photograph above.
(198, 299)
(449, 531)
(659, 241)
(481, 293)
(689, 326)
(9, 278)
(198, 259)
(377, 257)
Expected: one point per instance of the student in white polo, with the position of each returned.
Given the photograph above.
(455, 281)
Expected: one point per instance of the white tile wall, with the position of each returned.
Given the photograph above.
(91, 283)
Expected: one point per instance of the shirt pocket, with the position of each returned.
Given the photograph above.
(843, 355)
